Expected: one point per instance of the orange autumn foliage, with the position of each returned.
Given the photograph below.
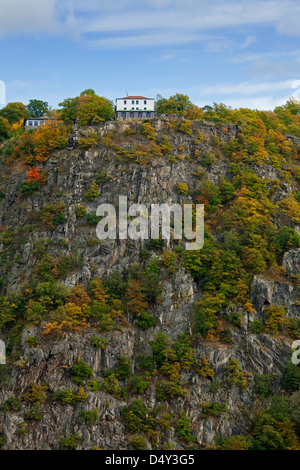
(33, 174)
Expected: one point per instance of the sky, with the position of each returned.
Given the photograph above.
(243, 53)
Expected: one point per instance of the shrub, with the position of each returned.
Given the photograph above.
(3, 440)
(149, 131)
(262, 385)
(183, 428)
(145, 321)
(235, 443)
(36, 394)
(32, 341)
(67, 396)
(182, 188)
(99, 342)
(88, 417)
(169, 389)
(112, 385)
(101, 177)
(90, 141)
(34, 414)
(93, 219)
(205, 370)
(139, 384)
(70, 442)
(29, 187)
(135, 415)
(274, 318)
(123, 368)
(138, 442)
(257, 326)
(291, 379)
(212, 409)
(80, 211)
(235, 374)
(11, 404)
(81, 371)
(92, 193)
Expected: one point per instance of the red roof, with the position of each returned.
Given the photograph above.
(135, 98)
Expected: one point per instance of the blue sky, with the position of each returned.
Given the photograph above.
(244, 53)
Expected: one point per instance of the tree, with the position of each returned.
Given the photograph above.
(4, 128)
(37, 108)
(14, 112)
(292, 105)
(176, 104)
(87, 108)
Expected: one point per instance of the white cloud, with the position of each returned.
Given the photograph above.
(249, 88)
(34, 16)
(108, 18)
(248, 41)
(254, 95)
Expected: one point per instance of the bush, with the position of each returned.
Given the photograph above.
(81, 371)
(88, 417)
(138, 442)
(291, 380)
(70, 442)
(139, 384)
(135, 415)
(80, 211)
(262, 385)
(99, 342)
(169, 389)
(34, 414)
(235, 374)
(92, 193)
(11, 404)
(29, 187)
(93, 219)
(145, 321)
(183, 429)
(212, 409)
(235, 443)
(257, 326)
(67, 396)
(36, 394)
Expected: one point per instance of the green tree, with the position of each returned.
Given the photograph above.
(14, 112)
(37, 108)
(87, 108)
(4, 128)
(176, 104)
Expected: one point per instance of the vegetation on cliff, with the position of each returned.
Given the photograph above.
(245, 170)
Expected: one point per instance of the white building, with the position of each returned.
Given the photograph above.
(134, 107)
(34, 123)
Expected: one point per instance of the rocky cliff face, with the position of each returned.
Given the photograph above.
(216, 404)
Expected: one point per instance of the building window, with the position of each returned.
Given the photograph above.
(132, 102)
(132, 108)
(29, 123)
(145, 109)
(36, 123)
(125, 108)
(137, 102)
(145, 101)
(125, 102)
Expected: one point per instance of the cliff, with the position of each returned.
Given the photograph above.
(120, 344)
